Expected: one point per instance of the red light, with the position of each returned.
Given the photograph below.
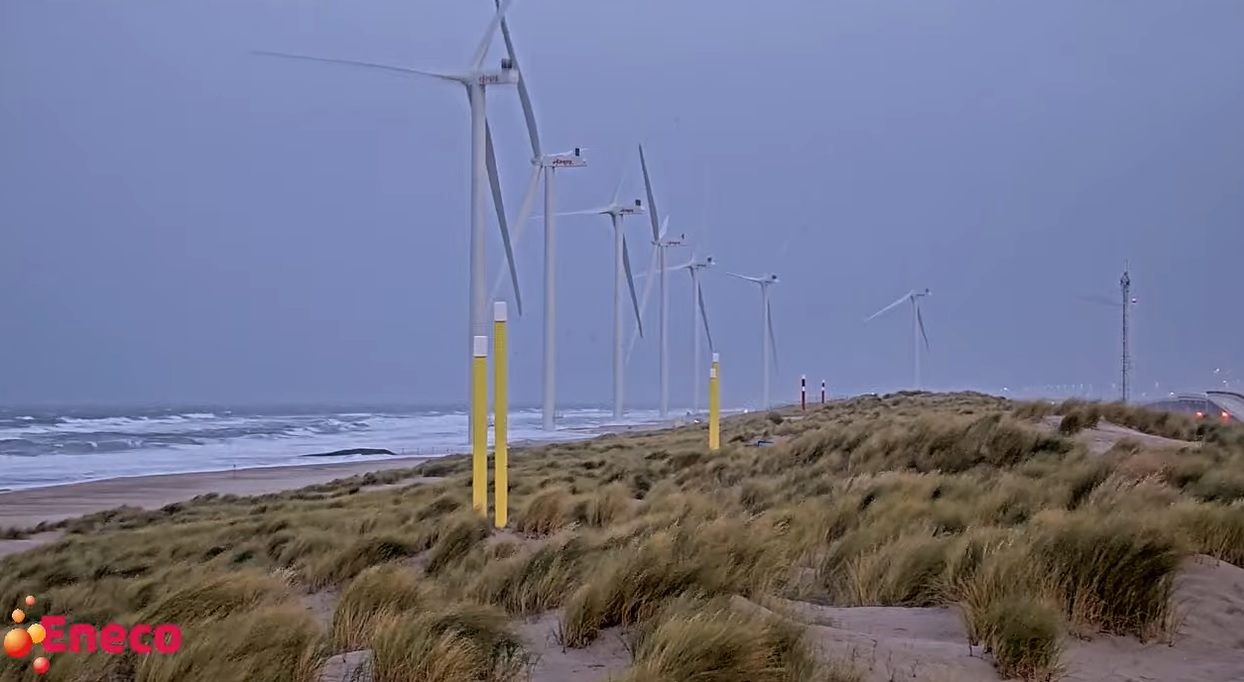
(1199, 414)
(1225, 416)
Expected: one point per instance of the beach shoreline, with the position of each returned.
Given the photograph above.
(25, 508)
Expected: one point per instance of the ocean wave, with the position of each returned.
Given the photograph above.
(46, 449)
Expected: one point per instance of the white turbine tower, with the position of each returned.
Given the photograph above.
(917, 327)
(699, 313)
(623, 279)
(546, 165)
(768, 342)
(694, 267)
(660, 243)
(475, 80)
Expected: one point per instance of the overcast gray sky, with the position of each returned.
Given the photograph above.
(183, 221)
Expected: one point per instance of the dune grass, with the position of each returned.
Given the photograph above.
(914, 500)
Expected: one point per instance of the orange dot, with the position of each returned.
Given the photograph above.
(30, 601)
(41, 665)
(17, 642)
(18, 615)
(36, 632)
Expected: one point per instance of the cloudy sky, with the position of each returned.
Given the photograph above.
(182, 221)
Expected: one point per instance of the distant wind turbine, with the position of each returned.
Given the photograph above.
(546, 165)
(768, 343)
(917, 327)
(623, 279)
(699, 314)
(475, 79)
(660, 243)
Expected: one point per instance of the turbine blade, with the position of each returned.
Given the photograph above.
(521, 222)
(630, 283)
(653, 218)
(699, 292)
(354, 62)
(495, 181)
(772, 338)
(888, 308)
(745, 278)
(654, 270)
(920, 323)
(523, 95)
(617, 191)
(481, 52)
(587, 211)
(704, 224)
(643, 301)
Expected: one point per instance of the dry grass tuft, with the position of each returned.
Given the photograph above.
(378, 592)
(464, 642)
(268, 643)
(690, 639)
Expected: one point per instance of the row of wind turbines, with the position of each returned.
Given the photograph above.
(477, 78)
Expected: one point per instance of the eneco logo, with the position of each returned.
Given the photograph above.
(50, 634)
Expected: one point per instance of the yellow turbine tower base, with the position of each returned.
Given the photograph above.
(714, 404)
(479, 426)
(500, 368)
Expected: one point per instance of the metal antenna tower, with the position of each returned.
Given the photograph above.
(1125, 285)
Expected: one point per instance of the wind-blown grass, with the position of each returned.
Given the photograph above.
(905, 500)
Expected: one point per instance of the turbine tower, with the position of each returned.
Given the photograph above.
(623, 279)
(768, 342)
(697, 301)
(1125, 286)
(476, 79)
(545, 165)
(699, 314)
(917, 327)
(660, 243)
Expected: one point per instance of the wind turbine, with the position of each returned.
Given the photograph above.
(546, 165)
(699, 313)
(475, 79)
(917, 326)
(622, 279)
(660, 243)
(768, 342)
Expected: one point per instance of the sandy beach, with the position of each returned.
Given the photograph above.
(26, 508)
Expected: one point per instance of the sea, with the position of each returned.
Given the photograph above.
(52, 447)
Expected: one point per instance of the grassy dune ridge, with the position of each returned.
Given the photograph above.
(693, 558)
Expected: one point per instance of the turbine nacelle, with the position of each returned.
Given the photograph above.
(627, 209)
(573, 159)
(506, 75)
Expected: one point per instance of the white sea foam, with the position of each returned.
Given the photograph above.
(34, 453)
